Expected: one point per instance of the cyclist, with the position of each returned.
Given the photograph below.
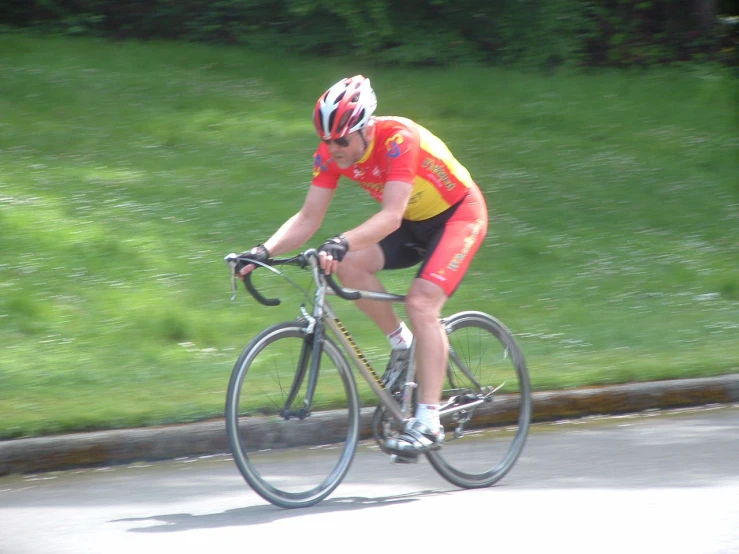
(431, 212)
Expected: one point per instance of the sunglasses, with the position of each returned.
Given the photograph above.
(343, 142)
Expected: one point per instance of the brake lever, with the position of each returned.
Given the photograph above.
(232, 260)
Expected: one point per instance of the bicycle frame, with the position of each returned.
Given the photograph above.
(324, 313)
(323, 317)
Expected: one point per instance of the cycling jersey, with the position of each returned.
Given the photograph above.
(402, 150)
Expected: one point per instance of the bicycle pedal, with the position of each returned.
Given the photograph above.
(396, 459)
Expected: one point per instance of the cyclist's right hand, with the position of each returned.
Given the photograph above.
(259, 253)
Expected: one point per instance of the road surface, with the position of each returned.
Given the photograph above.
(657, 482)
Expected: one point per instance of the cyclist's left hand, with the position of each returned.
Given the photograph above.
(332, 252)
(259, 253)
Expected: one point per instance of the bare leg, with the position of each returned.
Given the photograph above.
(358, 271)
(424, 303)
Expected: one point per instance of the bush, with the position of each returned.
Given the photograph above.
(544, 33)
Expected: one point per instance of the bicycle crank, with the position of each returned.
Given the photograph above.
(384, 427)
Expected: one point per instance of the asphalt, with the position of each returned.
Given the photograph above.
(100, 448)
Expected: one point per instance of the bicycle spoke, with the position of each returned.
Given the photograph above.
(265, 382)
(486, 408)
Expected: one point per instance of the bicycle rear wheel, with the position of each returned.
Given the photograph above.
(487, 375)
(280, 457)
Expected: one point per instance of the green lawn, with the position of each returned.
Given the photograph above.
(128, 170)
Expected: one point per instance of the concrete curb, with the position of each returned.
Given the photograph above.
(197, 439)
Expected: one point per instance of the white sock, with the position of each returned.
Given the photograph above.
(428, 414)
(401, 338)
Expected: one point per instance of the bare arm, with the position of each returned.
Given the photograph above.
(300, 227)
(395, 199)
(303, 225)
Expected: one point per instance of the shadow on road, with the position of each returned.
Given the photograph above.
(259, 515)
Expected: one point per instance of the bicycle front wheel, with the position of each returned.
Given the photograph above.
(488, 381)
(289, 458)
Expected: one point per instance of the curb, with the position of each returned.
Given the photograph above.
(207, 438)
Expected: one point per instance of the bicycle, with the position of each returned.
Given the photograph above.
(293, 382)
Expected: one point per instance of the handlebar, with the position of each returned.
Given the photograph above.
(308, 258)
(256, 294)
(341, 292)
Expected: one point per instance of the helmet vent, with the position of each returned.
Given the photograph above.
(342, 122)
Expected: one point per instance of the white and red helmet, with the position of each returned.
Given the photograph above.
(344, 108)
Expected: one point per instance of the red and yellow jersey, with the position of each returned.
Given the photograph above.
(403, 151)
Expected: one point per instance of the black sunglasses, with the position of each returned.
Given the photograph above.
(342, 141)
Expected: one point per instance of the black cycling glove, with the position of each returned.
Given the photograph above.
(336, 247)
(258, 254)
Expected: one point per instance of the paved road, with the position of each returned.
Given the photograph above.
(662, 482)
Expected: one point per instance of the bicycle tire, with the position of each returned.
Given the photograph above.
(258, 435)
(492, 440)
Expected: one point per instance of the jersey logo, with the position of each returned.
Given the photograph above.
(393, 150)
(319, 165)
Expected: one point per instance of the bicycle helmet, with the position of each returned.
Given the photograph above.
(344, 108)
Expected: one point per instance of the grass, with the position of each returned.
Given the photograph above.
(128, 170)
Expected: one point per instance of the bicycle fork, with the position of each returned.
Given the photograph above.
(310, 362)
